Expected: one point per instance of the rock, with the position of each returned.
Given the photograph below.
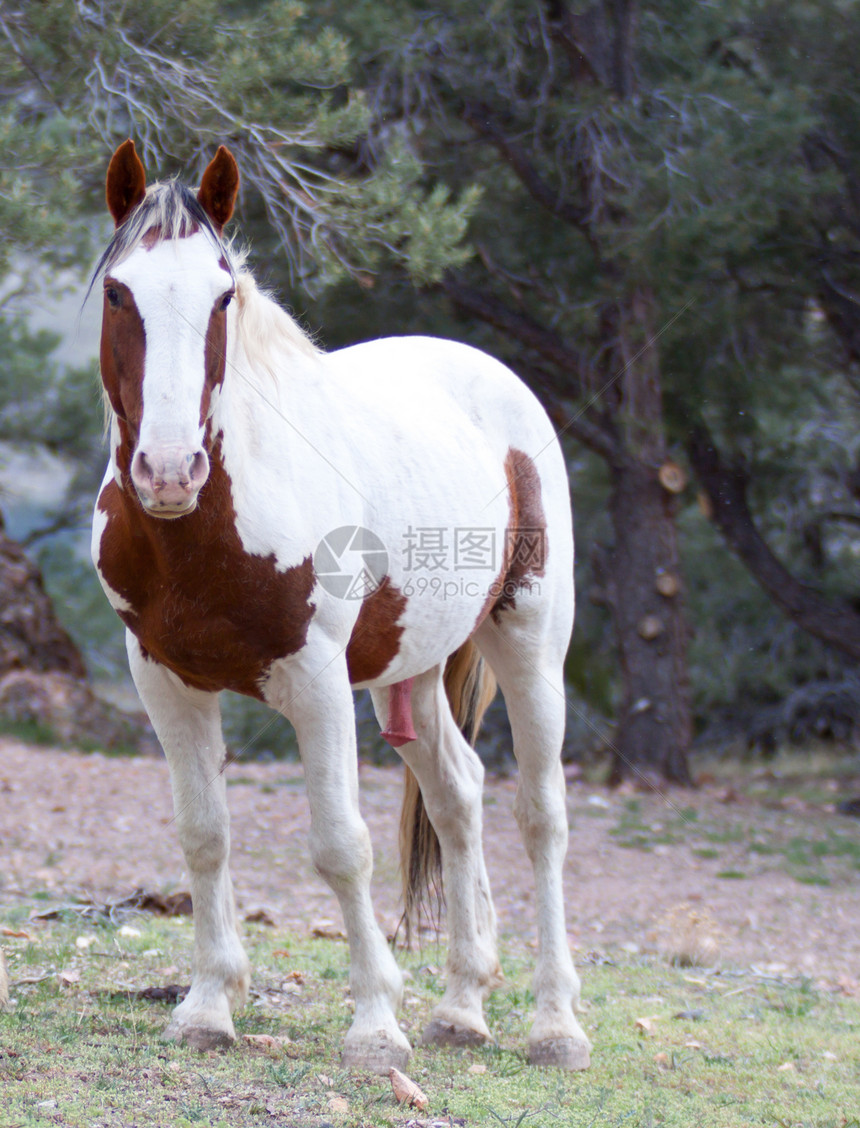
(66, 706)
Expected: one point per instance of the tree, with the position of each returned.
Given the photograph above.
(633, 176)
(80, 77)
(811, 270)
(183, 80)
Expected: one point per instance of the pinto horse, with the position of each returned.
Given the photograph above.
(250, 475)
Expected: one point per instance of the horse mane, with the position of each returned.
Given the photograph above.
(265, 330)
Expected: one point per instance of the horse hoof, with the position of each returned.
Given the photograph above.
(561, 1053)
(438, 1033)
(199, 1037)
(375, 1055)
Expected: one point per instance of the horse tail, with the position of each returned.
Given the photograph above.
(470, 687)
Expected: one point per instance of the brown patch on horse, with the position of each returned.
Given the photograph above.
(526, 547)
(375, 640)
(219, 187)
(215, 614)
(125, 186)
(121, 354)
(215, 358)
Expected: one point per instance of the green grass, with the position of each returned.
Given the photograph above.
(725, 1050)
(780, 819)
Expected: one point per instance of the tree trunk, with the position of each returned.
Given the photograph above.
(646, 591)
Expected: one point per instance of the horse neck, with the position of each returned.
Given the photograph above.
(267, 390)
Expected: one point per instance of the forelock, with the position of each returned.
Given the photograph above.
(173, 211)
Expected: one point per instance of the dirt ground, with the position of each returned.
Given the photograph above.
(719, 868)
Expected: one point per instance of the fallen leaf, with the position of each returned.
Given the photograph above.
(848, 985)
(662, 1060)
(296, 976)
(83, 942)
(786, 1067)
(338, 1104)
(728, 795)
(793, 803)
(282, 952)
(267, 1041)
(692, 1045)
(448, 1122)
(260, 916)
(15, 934)
(162, 904)
(327, 930)
(129, 932)
(406, 1091)
(646, 1025)
(172, 993)
(69, 976)
(478, 1067)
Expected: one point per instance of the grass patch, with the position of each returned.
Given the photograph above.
(725, 1050)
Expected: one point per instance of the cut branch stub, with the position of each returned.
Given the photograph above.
(668, 584)
(706, 507)
(672, 477)
(650, 627)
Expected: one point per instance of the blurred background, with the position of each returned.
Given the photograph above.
(651, 211)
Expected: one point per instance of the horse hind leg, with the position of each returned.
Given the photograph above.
(534, 696)
(450, 777)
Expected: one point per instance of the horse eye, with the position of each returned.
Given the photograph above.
(225, 301)
(112, 295)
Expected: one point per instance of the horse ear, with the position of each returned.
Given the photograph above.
(126, 182)
(219, 187)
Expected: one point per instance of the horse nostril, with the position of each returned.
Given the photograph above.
(141, 469)
(198, 469)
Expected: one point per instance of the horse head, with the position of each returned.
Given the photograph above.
(168, 284)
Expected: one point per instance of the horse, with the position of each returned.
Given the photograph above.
(294, 525)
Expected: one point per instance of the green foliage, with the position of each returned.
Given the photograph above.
(263, 78)
(40, 182)
(42, 402)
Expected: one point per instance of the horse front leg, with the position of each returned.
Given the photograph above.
(320, 706)
(188, 725)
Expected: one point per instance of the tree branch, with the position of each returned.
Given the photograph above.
(520, 327)
(559, 387)
(481, 119)
(834, 622)
(583, 424)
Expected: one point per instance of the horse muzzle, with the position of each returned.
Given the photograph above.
(168, 482)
